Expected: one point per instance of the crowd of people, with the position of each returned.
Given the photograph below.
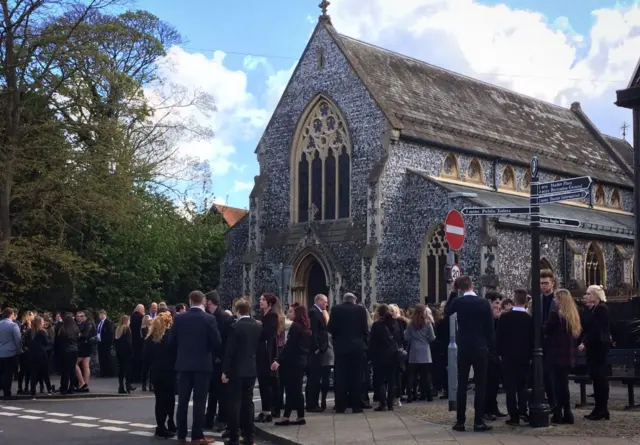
(214, 356)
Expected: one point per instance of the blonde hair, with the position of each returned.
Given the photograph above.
(325, 314)
(598, 291)
(159, 326)
(567, 308)
(123, 326)
(36, 325)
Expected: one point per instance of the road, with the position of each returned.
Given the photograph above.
(127, 421)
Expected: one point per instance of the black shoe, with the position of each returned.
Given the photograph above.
(512, 422)
(357, 411)
(299, 422)
(567, 417)
(315, 409)
(264, 418)
(459, 427)
(366, 406)
(600, 415)
(122, 391)
(557, 415)
(284, 422)
(380, 408)
(481, 427)
(498, 414)
(144, 388)
(162, 433)
(490, 417)
(171, 426)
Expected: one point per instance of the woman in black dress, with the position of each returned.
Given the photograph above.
(292, 363)
(384, 342)
(124, 354)
(67, 339)
(24, 372)
(160, 357)
(37, 345)
(596, 344)
(85, 348)
(272, 325)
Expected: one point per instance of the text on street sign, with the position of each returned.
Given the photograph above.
(560, 221)
(564, 185)
(567, 196)
(482, 211)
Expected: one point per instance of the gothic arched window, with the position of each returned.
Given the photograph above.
(433, 263)
(594, 266)
(450, 167)
(321, 165)
(508, 179)
(616, 203)
(600, 197)
(525, 184)
(474, 172)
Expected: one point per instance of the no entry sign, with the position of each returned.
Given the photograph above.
(454, 229)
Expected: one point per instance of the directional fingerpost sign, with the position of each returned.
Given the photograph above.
(455, 272)
(560, 221)
(454, 229)
(566, 196)
(564, 185)
(482, 211)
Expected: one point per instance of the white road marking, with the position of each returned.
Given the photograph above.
(59, 414)
(114, 422)
(255, 399)
(142, 433)
(30, 417)
(141, 425)
(85, 418)
(9, 414)
(85, 425)
(34, 411)
(113, 428)
(12, 408)
(55, 421)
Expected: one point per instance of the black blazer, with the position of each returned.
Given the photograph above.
(160, 357)
(240, 352)
(195, 336)
(514, 337)
(475, 323)
(224, 322)
(596, 334)
(136, 330)
(349, 328)
(384, 341)
(319, 333)
(296, 349)
(107, 333)
(37, 345)
(124, 346)
(267, 351)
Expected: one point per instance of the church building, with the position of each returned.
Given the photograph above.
(357, 164)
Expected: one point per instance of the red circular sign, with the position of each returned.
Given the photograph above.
(454, 230)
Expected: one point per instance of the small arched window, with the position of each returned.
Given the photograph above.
(508, 179)
(594, 266)
(599, 198)
(474, 172)
(450, 167)
(525, 183)
(616, 203)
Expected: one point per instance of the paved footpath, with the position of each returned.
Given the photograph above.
(398, 428)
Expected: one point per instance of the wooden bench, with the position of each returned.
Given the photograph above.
(626, 357)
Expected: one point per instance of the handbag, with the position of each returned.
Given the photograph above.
(400, 353)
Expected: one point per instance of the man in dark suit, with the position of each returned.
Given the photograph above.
(476, 340)
(319, 345)
(239, 373)
(136, 343)
(195, 336)
(349, 327)
(514, 342)
(105, 343)
(217, 392)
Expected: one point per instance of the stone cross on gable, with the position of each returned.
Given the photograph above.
(624, 130)
(323, 6)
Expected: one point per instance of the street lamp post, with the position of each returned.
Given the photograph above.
(452, 352)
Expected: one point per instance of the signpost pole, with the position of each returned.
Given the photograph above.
(452, 352)
(539, 410)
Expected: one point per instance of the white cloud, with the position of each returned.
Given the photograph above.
(253, 62)
(239, 186)
(535, 55)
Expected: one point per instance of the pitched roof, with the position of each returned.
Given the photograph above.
(231, 215)
(437, 105)
(623, 148)
(635, 77)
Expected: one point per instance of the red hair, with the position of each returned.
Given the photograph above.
(301, 316)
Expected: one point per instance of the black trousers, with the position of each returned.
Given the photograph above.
(217, 397)
(105, 360)
(136, 362)
(494, 373)
(269, 385)
(314, 379)
(8, 369)
(165, 392)
(24, 373)
(384, 382)
(421, 372)
(241, 409)
(598, 371)
(67, 369)
(348, 381)
(124, 372)
(196, 382)
(439, 374)
(560, 378)
(516, 379)
(367, 371)
(468, 358)
(292, 379)
(39, 372)
(325, 384)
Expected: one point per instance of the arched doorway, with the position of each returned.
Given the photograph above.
(309, 279)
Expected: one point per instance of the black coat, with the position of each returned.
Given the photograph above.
(124, 346)
(196, 337)
(319, 333)
(159, 356)
(243, 343)
(296, 350)
(107, 333)
(384, 341)
(349, 329)
(267, 351)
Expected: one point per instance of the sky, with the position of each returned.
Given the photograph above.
(243, 53)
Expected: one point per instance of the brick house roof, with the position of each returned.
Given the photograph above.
(231, 215)
(432, 104)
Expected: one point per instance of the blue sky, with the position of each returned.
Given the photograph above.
(560, 51)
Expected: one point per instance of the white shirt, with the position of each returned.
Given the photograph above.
(100, 330)
(470, 293)
(518, 309)
(243, 316)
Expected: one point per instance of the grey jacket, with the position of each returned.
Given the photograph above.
(10, 340)
(328, 357)
(418, 343)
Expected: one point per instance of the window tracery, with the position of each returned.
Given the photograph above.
(450, 167)
(508, 179)
(474, 172)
